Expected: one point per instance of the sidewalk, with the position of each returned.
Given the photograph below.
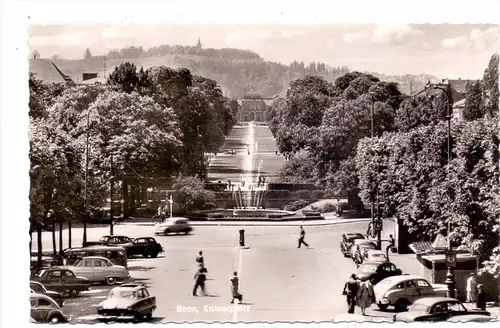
(258, 223)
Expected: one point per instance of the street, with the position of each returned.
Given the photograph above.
(279, 281)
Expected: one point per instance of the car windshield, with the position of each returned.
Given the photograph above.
(368, 267)
(378, 255)
(130, 294)
(40, 273)
(420, 308)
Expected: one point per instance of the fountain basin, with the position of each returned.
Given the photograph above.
(248, 214)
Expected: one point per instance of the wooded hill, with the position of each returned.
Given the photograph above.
(237, 71)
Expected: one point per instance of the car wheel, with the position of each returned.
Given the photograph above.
(56, 318)
(383, 307)
(149, 315)
(110, 281)
(154, 254)
(401, 305)
(74, 292)
(166, 232)
(145, 253)
(186, 232)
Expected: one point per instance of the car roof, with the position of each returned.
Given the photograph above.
(375, 251)
(130, 286)
(94, 258)
(353, 234)
(35, 282)
(403, 277)
(113, 236)
(37, 295)
(433, 300)
(102, 247)
(362, 241)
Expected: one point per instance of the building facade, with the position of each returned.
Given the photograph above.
(253, 107)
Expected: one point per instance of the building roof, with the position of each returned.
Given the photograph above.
(96, 80)
(460, 103)
(47, 71)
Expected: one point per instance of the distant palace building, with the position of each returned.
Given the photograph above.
(253, 107)
(458, 92)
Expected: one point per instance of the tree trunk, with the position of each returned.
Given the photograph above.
(31, 240)
(54, 235)
(133, 198)
(69, 233)
(39, 244)
(126, 210)
(60, 237)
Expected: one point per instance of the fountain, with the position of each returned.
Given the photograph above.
(248, 193)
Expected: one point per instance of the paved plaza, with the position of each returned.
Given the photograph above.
(263, 149)
(279, 281)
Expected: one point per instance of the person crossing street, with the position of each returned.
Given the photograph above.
(235, 282)
(302, 237)
(351, 291)
(200, 277)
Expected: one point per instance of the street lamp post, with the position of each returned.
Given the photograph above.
(450, 276)
(372, 135)
(86, 181)
(170, 202)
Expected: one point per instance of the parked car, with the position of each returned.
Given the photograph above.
(62, 280)
(358, 250)
(374, 255)
(433, 309)
(347, 242)
(39, 288)
(115, 240)
(145, 246)
(402, 291)
(117, 255)
(129, 301)
(174, 225)
(376, 271)
(45, 309)
(99, 269)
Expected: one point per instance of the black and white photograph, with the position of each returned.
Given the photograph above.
(252, 162)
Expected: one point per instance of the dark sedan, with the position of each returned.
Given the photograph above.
(434, 309)
(376, 271)
(347, 242)
(62, 280)
(145, 246)
(39, 288)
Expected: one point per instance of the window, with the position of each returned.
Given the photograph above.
(54, 274)
(392, 268)
(36, 288)
(43, 302)
(145, 291)
(105, 239)
(87, 263)
(68, 274)
(456, 307)
(140, 241)
(440, 308)
(422, 283)
(410, 284)
(97, 263)
(33, 302)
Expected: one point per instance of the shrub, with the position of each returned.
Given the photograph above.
(327, 208)
(297, 205)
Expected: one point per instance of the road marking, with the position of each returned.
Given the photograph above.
(240, 263)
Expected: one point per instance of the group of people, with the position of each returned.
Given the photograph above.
(201, 276)
(475, 292)
(358, 293)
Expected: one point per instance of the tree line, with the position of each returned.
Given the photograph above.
(401, 160)
(142, 125)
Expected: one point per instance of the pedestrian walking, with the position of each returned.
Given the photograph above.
(351, 292)
(369, 230)
(199, 258)
(480, 298)
(471, 288)
(392, 243)
(200, 277)
(302, 237)
(235, 285)
(366, 296)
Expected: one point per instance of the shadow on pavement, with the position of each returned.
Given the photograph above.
(140, 268)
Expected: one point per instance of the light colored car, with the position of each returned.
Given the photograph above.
(402, 291)
(174, 225)
(45, 309)
(99, 269)
(374, 255)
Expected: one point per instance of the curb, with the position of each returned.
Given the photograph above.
(259, 223)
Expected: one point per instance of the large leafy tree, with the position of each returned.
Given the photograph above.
(42, 96)
(124, 77)
(491, 91)
(473, 102)
(418, 111)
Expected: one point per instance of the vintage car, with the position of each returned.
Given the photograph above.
(376, 271)
(347, 242)
(39, 288)
(129, 301)
(402, 291)
(45, 309)
(174, 225)
(62, 280)
(145, 246)
(359, 248)
(433, 309)
(115, 240)
(117, 255)
(374, 255)
(99, 269)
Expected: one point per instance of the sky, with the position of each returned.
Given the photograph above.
(444, 50)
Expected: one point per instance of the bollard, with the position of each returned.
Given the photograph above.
(242, 237)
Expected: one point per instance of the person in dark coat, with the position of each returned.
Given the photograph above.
(392, 243)
(200, 277)
(480, 298)
(302, 237)
(351, 288)
(199, 258)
